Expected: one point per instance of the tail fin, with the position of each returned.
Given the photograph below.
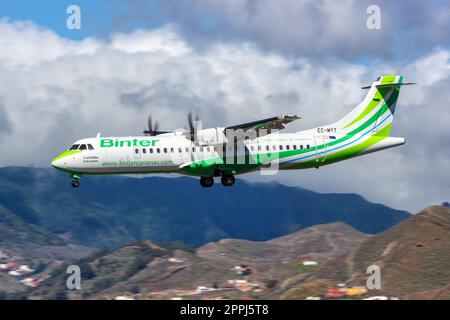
(376, 112)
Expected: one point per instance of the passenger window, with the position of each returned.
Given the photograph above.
(281, 147)
(74, 147)
(136, 150)
(259, 148)
(150, 150)
(144, 150)
(288, 147)
(267, 148)
(294, 146)
(301, 147)
(90, 147)
(165, 150)
(187, 149)
(307, 146)
(252, 148)
(158, 150)
(83, 147)
(274, 147)
(193, 149)
(208, 149)
(172, 150)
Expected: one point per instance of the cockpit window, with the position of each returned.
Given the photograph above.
(83, 147)
(74, 147)
(90, 147)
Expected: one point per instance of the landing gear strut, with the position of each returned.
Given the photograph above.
(206, 182)
(227, 180)
(75, 183)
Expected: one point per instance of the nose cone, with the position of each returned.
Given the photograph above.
(57, 163)
(61, 161)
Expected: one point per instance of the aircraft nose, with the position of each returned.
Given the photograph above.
(57, 163)
(64, 160)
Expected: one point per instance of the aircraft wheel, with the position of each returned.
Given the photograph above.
(75, 183)
(206, 182)
(228, 180)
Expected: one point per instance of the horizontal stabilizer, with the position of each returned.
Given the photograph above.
(389, 85)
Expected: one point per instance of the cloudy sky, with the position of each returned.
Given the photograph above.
(231, 62)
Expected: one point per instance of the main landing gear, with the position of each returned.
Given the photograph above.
(227, 181)
(206, 182)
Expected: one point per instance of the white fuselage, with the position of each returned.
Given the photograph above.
(169, 153)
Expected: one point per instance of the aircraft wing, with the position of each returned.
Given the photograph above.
(155, 132)
(268, 124)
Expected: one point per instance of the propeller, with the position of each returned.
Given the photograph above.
(191, 125)
(152, 127)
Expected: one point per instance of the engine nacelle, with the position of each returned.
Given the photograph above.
(211, 136)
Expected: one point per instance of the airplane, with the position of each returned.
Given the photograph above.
(228, 151)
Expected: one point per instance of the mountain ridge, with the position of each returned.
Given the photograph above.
(107, 211)
(413, 257)
(152, 271)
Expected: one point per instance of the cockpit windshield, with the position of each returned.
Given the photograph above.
(81, 147)
(74, 147)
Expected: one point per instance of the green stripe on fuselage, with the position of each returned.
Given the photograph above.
(207, 166)
(338, 156)
(380, 94)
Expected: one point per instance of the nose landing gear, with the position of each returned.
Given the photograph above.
(75, 183)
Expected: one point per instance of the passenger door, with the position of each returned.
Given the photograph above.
(321, 149)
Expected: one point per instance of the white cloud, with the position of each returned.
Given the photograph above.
(55, 91)
(318, 29)
(165, 41)
(23, 44)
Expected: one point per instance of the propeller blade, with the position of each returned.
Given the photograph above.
(150, 123)
(152, 128)
(191, 125)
